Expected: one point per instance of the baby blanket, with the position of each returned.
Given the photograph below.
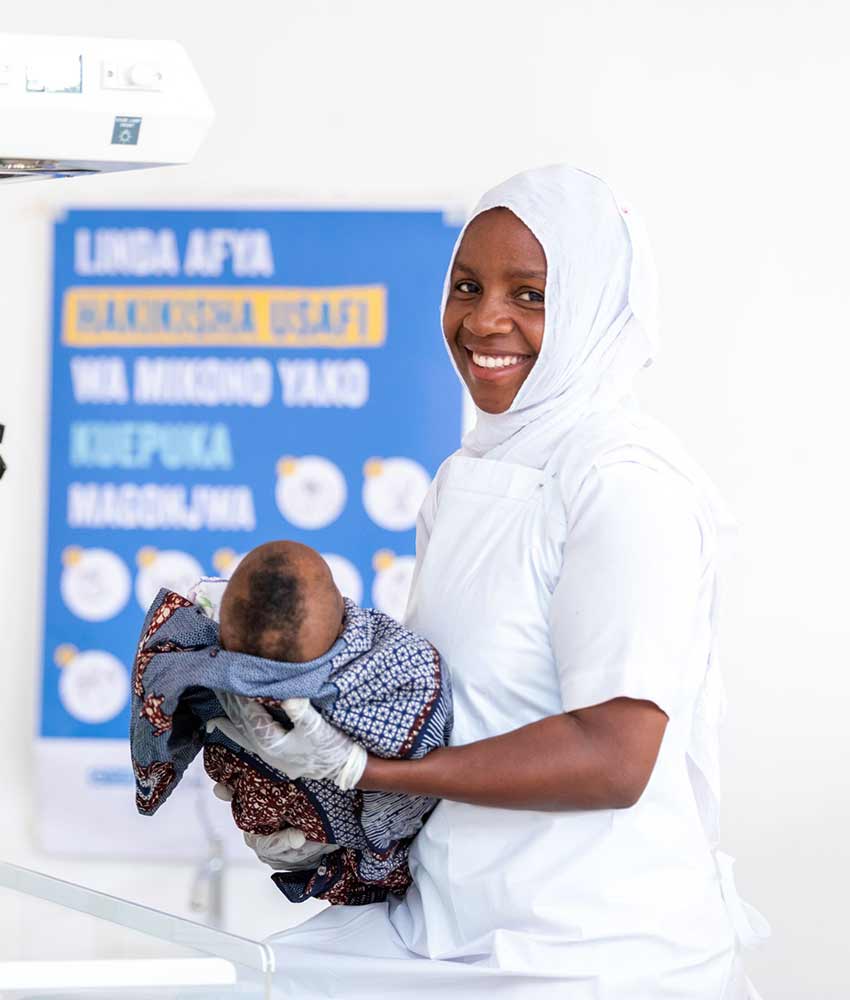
(380, 683)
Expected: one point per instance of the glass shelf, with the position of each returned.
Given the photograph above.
(161, 956)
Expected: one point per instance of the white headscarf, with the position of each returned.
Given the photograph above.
(600, 330)
(600, 319)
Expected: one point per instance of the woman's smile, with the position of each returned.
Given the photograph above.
(491, 367)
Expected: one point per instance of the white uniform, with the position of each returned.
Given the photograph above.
(565, 557)
(582, 904)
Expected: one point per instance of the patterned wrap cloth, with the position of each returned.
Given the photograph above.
(380, 683)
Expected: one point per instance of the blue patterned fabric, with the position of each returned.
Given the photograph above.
(380, 683)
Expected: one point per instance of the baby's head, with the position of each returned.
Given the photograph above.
(282, 604)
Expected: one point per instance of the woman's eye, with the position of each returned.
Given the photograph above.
(467, 287)
(531, 295)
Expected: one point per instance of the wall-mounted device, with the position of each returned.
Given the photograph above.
(72, 107)
(77, 106)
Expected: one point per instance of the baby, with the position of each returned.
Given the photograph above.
(282, 604)
(225, 663)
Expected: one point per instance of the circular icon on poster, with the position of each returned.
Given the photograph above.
(345, 576)
(310, 491)
(95, 583)
(94, 686)
(225, 562)
(393, 491)
(168, 568)
(393, 576)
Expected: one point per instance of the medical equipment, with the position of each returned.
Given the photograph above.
(77, 106)
(121, 948)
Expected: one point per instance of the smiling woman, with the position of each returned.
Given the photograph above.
(494, 314)
(566, 570)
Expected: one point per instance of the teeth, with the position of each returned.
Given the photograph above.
(492, 361)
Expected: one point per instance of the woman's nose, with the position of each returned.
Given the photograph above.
(488, 316)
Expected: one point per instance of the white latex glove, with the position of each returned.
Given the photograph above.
(287, 850)
(313, 748)
(207, 593)
(222, 792)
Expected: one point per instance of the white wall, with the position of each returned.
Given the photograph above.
(726, 122)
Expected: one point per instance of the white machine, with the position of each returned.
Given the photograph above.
(70, 107)
(77, 106)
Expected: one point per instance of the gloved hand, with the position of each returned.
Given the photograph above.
(287, 850)
(207, 593)
(221, 791)
(313, 748)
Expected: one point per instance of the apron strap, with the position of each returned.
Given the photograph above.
(751, 928)
(752, 992)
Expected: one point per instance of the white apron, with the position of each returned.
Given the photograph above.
(580, 905)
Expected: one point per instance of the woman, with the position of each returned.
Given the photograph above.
(566, 571)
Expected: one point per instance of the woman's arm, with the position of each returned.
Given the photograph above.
(593, 758)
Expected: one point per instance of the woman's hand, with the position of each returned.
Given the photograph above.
(313, 748)
(284, 850)
(287, 850)
(594, 758)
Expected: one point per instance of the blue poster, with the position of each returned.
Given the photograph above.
(219, 379)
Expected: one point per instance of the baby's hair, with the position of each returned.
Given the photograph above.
(268, 614)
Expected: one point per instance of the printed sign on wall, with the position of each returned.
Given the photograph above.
(221, 378)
